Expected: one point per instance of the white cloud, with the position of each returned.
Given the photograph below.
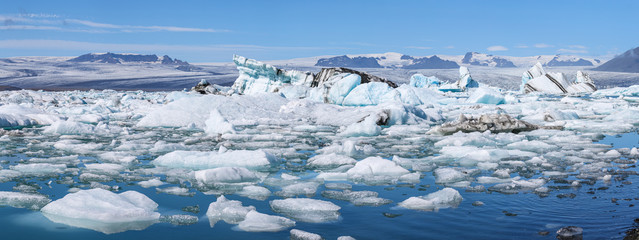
(577, 46)
(497, 48)
(54, 23)
(563, 50)
(419, 47)
(543, 45)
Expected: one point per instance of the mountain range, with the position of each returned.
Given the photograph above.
(402, 61)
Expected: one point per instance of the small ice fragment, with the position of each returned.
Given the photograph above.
(156, 182)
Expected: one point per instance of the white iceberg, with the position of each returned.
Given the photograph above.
(258, 77)
(464, 83)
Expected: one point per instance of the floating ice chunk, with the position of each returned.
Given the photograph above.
(533, 146)
(410, 178)
(175, 190)
(255, 192)
(517, 185)
(229, 211)
(371, 93)
(223, 175)
(117, 157)
(103, 211)
(444, 198)
(304, 188)
(105, 168)
(23, 200)
(373, 168)
(332, 176)
(259, 222)
(345, 238)
(156, 182)
(358, 198)
(294, 91)
(216, 124)
(449, 175)
(205, 160)
(40, 169)
(486, 95)
(303, 235)
(69, 128)
(306, 209)
(329, 161)
(607, 178)
(180, 219)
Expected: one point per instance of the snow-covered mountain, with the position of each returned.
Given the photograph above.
(398, 60)
(387, 60)
(626, 62)
(480, 59)
(118, 58)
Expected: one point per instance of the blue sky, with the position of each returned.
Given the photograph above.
(211, 31)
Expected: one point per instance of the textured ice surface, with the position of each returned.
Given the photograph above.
(103, 211)
(444, 198)
(23, 200)
(306, 209)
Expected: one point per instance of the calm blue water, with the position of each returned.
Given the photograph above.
(592, 209)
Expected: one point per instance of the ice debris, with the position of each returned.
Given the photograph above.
(257, 159)
(229, 211)
(487, 122)
(464, 83)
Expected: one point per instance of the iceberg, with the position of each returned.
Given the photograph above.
(464, 83)
(420, 81)
(486, 95)
(536, 79)
(103, 211)
(256, 77)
